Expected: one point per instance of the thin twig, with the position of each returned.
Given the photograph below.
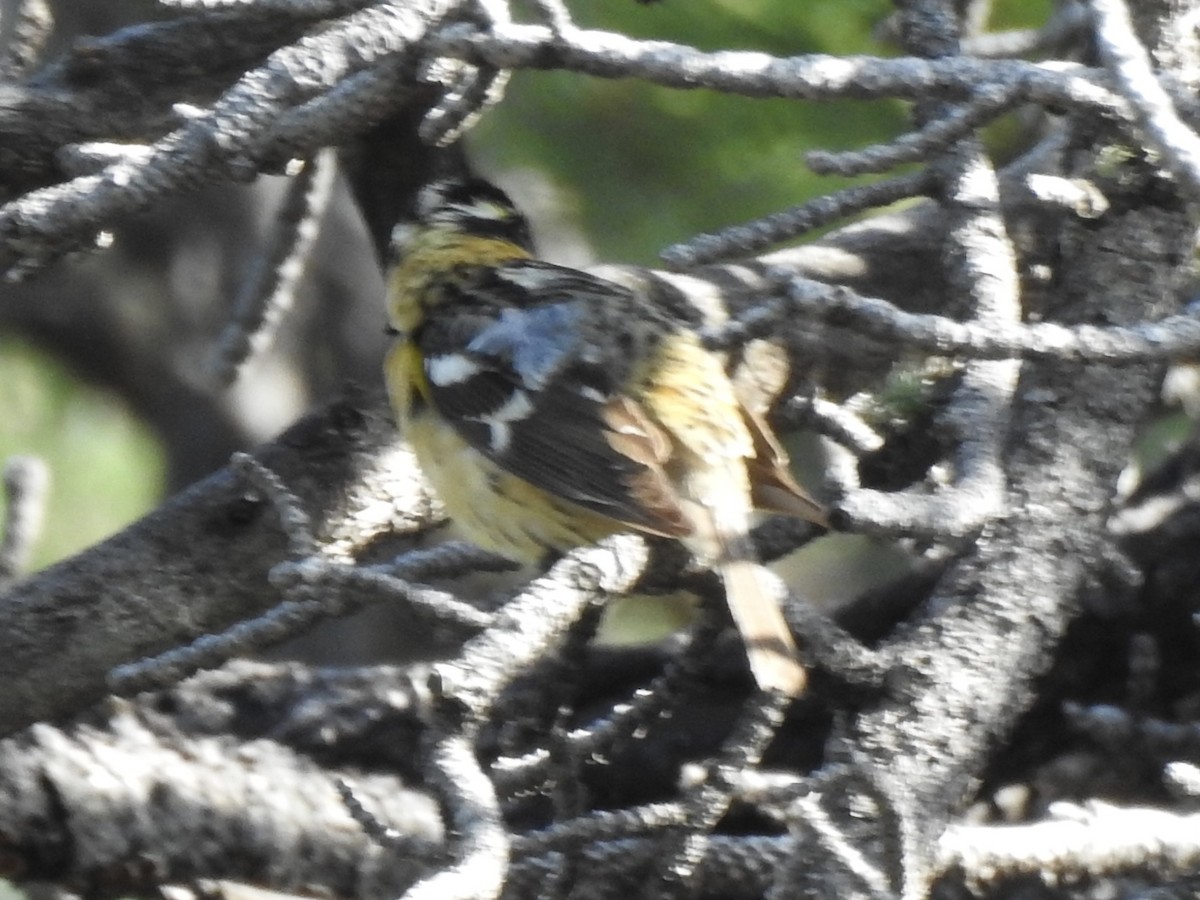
(555, 14)
(832, 839)
(836, 421)
(938, 134)
(481, 841)
(316, 589)
(530, 623)
(1089, 841)
(709, 800)
(1182, 780)
(1128, 60)
(226, 143)
(1112, 728)
(25, 37)
(95, 156)
(270, 293)
(752, 74)
(741, 240)
(1079, 196)
(1066, 26)
(1173, 337)
(26, 484)
(306, 8)
(292, 518)
(624, 720)
(599, 827)
(471, 93)
(382, 833)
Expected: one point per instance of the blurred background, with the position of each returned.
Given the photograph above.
(103, 358)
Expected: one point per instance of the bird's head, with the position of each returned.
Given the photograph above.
(457, 226)
(461, 207)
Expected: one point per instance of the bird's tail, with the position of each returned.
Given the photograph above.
(770, 648)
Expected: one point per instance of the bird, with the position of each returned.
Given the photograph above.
(550, 408)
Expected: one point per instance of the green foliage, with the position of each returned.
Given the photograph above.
(645, 166)
(105, 468)
(649, 165)
(906, 391)
(1020, 13)
(1162, 438)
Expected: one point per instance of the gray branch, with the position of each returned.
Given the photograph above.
(200, 563)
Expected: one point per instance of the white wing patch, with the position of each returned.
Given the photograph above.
(516, 408)
(702, 295)
(450, 368)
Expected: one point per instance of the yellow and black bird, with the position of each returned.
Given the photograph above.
(550, 408)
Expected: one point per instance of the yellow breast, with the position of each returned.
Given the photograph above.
(497, 510)
(415, 283)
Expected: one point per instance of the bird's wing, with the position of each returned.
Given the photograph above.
(529, 364)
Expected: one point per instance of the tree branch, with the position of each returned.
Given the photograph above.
(200, 562)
